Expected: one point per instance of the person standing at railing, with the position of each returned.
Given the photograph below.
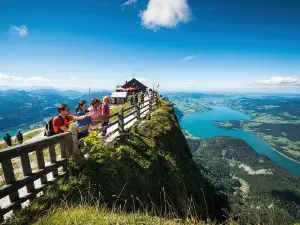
(19, 137)
(105, 111)
(84, 124)
(95, 110)
(142, 99)
(150, 95)
(62, 121)
(131, 100)
(7, 139)
(136, 98)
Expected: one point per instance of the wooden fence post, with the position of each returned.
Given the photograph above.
(26, 167)
(150, 104)
(150, 107)
(8, 172)
(74, 140)
(41, 164)
(63, 151)
(52, 155)
(138, 112)
(121, 121)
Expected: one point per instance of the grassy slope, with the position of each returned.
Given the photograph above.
(151, 157)
(93, 215)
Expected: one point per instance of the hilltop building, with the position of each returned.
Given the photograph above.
(135, 84)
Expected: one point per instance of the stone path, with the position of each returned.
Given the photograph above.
(38, 137)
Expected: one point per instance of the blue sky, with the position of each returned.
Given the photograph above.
(209, 45)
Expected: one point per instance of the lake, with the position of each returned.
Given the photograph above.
(200, 125)
(12, 134)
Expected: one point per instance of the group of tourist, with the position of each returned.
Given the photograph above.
(8, 140)
(134, 99)
(89, 118)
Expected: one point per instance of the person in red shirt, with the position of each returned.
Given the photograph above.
(105, 111)
(61, 122)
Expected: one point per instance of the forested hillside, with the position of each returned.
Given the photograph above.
(258, 190)
(21, 109)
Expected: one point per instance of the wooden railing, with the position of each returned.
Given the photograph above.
(136, 112)
(32, 158)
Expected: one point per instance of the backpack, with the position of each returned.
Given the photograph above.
(49, 129)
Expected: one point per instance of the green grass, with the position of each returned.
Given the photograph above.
(291, 147)
(94, 215)
(118, 108)
(225, 124)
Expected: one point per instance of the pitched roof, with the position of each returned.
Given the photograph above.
(136, 81)
(118, 95)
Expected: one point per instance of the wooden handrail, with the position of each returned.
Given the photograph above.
(30, 147)
(129, 108)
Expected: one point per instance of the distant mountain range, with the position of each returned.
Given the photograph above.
(20, 109)
(34, 88)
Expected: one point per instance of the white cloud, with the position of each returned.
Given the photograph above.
(165, 13)
(127, 3)
(191, 84)
(9, 79)
(21, 30)
(130, 2)
(281, 81)
(36, 79)
(188, 58)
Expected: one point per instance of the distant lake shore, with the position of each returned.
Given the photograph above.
(201, 125)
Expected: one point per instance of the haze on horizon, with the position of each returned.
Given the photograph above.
(194, 45)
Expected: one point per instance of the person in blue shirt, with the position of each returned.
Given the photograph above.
(131, 100)
(86, 123)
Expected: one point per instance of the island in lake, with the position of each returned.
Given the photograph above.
(231, 124)
(276, 119)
